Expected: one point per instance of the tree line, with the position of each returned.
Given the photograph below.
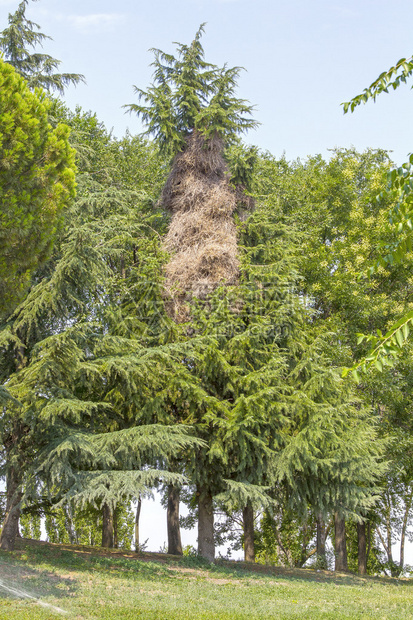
(183, 320)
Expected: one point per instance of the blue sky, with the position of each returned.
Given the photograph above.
(302, 59)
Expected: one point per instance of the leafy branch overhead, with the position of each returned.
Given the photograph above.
(392, 78)
(189, 94)
(384, 348)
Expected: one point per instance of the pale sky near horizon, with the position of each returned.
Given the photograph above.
(302, 59)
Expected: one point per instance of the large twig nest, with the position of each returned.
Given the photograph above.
(202, 236)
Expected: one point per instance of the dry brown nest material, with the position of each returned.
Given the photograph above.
(202, 236)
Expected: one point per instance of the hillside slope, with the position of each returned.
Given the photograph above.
(87, 583)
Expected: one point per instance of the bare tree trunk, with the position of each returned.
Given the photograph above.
(69, 524)
(10, 529)
(281, 549)
(172, 518)
(115, 528)
(248, 521)
(369, 537)
(304, 554)
(407, 509)
(321, 542)
(389, 540)
(137, 516)
(341, 549)
(362, 548)
(107, 526)
(206, 545)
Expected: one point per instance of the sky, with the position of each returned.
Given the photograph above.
(302, 59)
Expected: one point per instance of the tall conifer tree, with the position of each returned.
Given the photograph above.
(84, 331)
(19, 41)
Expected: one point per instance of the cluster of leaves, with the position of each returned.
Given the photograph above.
(392, 78)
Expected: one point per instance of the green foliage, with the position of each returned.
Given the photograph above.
(332, 456)
(190, 94)
(97, 363)
(30, 526)
(83, 526)
(392, 78)
(36, 184)
(384, 349)
(343, 224)
(242, 162)
(284, 538)
(245, 401)
(39, 70)
(108, 467)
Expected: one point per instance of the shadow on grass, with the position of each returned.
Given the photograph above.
(78, 560)
(17, 580)
(153, 566)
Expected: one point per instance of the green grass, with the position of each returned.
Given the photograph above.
(92, 585)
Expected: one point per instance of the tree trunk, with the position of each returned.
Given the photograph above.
(407, 509)
(248, 521)
(206, 545)
(362, 548)
(172, 517)
(14, 495)
(321, 543)
(69, 525)
(341, 549)
(107, 526)
(115, 528)
(137, 516)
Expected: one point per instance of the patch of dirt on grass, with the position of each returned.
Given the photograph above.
(10, 571)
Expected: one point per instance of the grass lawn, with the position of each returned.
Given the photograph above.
(88, 584)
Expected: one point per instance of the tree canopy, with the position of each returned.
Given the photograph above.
(385, 347)
(188, 326)
(189, 94)
(37, 181)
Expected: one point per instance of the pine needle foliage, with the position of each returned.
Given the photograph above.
(77, 339)
(37, 183)
(39, 70)
(304, 426)
(333, 458)
(191, 94)
(110, 467)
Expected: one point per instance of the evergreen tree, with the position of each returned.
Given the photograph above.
(190, 94)
(39, 70)
(36, 184)
(85, 328)
(343, 224)
(244, 301)
(192, 112)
